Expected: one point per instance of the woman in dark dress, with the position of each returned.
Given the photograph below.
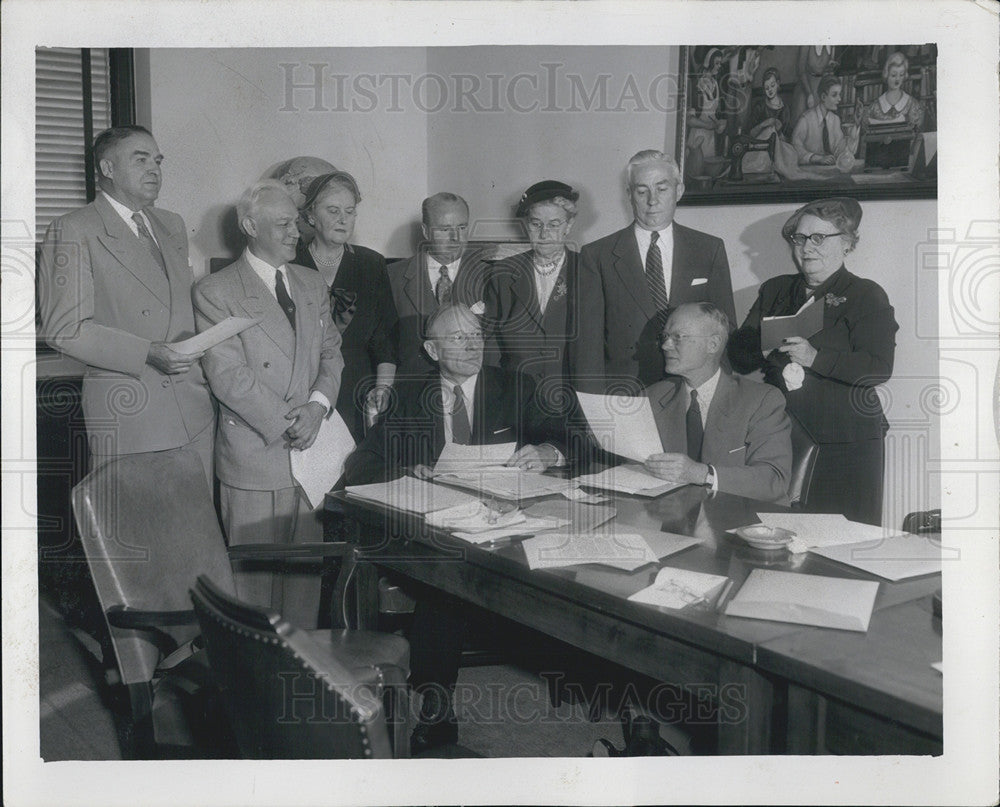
(360, 298)
(528, 295)
(829, 379)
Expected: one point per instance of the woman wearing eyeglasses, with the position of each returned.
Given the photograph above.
(360, 298)
(829, 379)
(529, 294)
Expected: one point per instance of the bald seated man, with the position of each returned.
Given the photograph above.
(716, 429)
(461, 401)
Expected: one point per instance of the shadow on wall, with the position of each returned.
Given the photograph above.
(766, 254)
(218, 235)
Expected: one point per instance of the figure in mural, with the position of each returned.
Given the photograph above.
(895, 105)
(703, 119)
(814, 62)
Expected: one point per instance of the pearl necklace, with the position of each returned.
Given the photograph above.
(320, 262)
(548, 267)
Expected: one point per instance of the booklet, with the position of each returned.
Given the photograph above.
(806, 322)
(805, 599)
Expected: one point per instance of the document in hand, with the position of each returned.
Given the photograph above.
(626, 551)
(411, 494)
(318, 467)
(678, 588)
(622, 424)
(629, 478)
(456, 457)
(895, 558)
(806, 322)
(805, 599)
(211, 337)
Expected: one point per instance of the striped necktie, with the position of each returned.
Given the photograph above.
(148, 241)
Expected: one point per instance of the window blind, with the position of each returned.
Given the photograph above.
(68, 113)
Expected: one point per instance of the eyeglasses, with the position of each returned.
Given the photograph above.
(459, 338)
(541, 226)
(817, 239)
(677, 338)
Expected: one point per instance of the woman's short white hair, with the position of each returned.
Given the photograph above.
(251, 199)
(559, 201)
(652, 156)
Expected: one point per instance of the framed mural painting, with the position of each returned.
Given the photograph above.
(776, 123)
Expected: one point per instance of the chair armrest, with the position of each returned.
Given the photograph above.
(120, 616)
(333, 549)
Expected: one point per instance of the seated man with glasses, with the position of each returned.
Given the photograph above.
(460, 402)
(716, 429)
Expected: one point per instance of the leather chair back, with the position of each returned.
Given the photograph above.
(148, 528)
(289, 697)
(804, 454)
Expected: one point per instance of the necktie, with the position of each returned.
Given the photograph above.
(460, 431)
(284, 298)
(826, 138)
(147, 240)
(695, 429)
(654, 274)
(443, 289)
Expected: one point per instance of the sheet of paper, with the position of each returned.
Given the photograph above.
(455, 457)
(629, 478)
(895, 558)
(582, 517)
(806, 322)
(939, 666)
(411, 494)
(678, 588)
(512, 484)
(626, 551)
(219, 332)
(473, 517)
(805, 599)
(669, 543)
(529, 526)
(622, 424)
(318, 468)
(823, 529)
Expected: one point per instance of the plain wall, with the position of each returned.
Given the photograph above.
(224, 116)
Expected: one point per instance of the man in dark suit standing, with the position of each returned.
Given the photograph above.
(461, 402)
(630, 279)
(443, 271)
(115, 294)
(275, 383)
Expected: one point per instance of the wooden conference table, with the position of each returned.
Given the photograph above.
(777, 687)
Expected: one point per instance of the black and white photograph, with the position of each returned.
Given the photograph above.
(500, 403)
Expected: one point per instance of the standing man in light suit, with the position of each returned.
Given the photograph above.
(275, 383)
(444, 271)
(115, 293)
(629, 280)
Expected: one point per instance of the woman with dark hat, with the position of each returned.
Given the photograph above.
(829, 379)
(528, 297)
(360, 298)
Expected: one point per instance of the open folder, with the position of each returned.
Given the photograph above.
(806, 322)
(805, 599)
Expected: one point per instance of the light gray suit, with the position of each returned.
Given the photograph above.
(747, 434)
(103, 300)
(258, 377)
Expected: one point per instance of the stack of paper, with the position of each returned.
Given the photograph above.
(623, 425)
(582, 517)
(456, 457)
(805, 599)
(823, 529)
(530, 526)
(507, 483)
(895, 558)
(678, 588)
(631, 479)
(411, 494)
(473, 517)
(626, 551)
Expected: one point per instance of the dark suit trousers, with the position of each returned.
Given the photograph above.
(436, 638)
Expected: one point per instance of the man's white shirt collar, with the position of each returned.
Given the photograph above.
(265, 271)
(706, 392)
(126, 215)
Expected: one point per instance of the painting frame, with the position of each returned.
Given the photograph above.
(879, 159)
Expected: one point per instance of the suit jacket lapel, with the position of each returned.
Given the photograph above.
(682, 261)
(629, 266)
(307, 328)
(258, 303)
(668, 414)
(417, 287)
(718, 431)
(121, 242)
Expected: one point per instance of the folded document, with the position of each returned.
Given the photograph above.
(678, 588)
(626, 551)
(630, 478)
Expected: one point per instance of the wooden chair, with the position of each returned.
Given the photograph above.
(289, 695)
(148, 529)
(804, 454)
